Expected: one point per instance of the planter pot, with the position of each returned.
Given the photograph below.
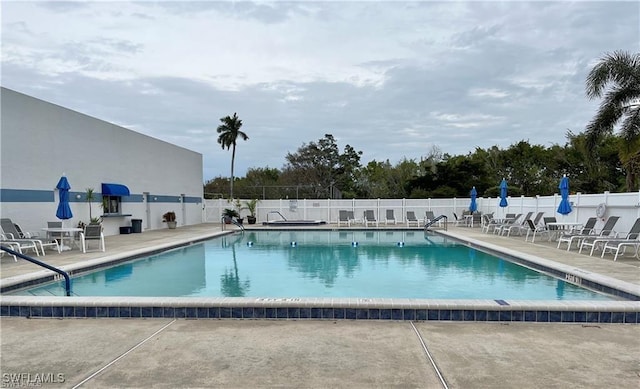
(172, 225)
(227, 220)
(251, 219)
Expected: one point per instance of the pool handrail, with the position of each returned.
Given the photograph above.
(435, 220)
(67, 280)
(278, 212)
(222, 220)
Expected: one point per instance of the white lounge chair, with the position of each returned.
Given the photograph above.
(571, 236)
(390, 217)
(411, 218)
(619, 247)
(535, 230)
(12, 233)
(19, 245)
(343, 217)
(611, 238)
(607, 233)
(518, 226)
(370, 218)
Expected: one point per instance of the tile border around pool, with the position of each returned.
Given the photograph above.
(623, 312)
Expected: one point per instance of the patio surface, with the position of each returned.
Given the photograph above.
(231, 353)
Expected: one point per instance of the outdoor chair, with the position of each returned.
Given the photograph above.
(618, 247)
(535, 230)
(458, 220)
(607, 232)
(488, 223)
(343, 217)
(611, 237)
(536, 220)
(390, 218)
(19, 245)
(518, 227)
(570, 236)
(411, 218)
(508, 222)
(92, 232)
(12, 233)
(369, 217)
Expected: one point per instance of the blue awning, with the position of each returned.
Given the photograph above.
(114, 190)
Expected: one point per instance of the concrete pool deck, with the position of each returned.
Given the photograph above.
(311, 353)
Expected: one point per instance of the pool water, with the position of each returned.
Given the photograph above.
(288, 264)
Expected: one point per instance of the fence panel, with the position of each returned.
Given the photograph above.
(625, 205)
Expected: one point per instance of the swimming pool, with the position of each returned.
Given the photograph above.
(327, 264)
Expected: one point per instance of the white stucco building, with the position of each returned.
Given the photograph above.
(144, 177)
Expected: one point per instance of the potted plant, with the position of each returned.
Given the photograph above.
(251, 207)
(170, 219)
(228, 214)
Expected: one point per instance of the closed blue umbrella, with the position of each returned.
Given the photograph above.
(565, 206)
(473, 206)
(503, 193)
(64, 211)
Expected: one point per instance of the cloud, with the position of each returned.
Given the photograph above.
(393, 79)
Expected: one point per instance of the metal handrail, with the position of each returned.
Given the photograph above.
(67, 280)
(232, 221)
(435, 220)
(278, 212)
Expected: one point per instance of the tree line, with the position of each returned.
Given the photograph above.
(597, 160)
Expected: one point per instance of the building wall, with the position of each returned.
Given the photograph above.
(41, 141)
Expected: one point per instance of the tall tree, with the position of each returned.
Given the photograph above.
(616, 79)
(229, 132)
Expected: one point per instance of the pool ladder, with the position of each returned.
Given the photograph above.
(435, 220)
(281, 215)
(233, 221)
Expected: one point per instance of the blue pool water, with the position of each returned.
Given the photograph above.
(279, 264)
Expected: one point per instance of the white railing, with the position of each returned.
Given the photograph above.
(626, 205)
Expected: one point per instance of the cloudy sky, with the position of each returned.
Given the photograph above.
(393, 79)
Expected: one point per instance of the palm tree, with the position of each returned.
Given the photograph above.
(616, 78)
(229, 132)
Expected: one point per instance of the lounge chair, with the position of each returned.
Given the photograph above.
(12, 233)
(619, 247)
(577, 236)
(411, 218)
(610, 236)
(488, 223)
(10, 245)
(343, 217)
(518, 227)
(508, 222)
(369, 217)
(607, 233)
(536, 220)
(19, 245)
(535, 230)
(458, 220)
(92, 232)
(390, 218)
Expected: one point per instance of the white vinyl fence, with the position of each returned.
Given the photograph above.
(625, 205)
